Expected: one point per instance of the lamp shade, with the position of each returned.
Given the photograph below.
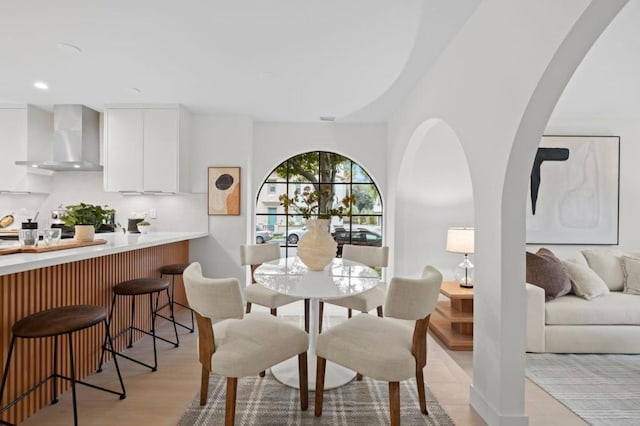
(460, 240)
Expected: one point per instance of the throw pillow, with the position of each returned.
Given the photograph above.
(631, 268)
(607, 264)
(584, 281)
(545, 270)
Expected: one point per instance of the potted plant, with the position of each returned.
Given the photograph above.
(317, 247)
(86, 219)
(143, 227)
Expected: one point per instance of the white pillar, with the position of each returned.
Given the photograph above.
(496, 85)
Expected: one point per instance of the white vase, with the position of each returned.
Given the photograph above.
(84, 233)
(317, 247)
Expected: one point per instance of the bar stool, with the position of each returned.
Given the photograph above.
(133, 288)
(53, 323)
(173, 270)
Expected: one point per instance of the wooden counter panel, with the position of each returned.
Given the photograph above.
(83, 282)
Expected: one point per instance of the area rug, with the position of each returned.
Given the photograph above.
(601, 389)
(265, 401)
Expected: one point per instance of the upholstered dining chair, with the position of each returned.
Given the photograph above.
(374, 257)
(254, 255)
(239, 345)
(384, 348)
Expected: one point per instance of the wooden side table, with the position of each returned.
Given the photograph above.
(452, 321)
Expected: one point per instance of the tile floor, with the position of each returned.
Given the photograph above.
(160, 398)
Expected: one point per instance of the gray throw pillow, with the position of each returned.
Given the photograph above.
(631, 269)
(585, 281)
(545, 270)
(607, 264)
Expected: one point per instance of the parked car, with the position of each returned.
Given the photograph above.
(262, 235)
(357, 237)
(294, 235)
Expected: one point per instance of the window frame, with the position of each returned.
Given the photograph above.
(350, 228)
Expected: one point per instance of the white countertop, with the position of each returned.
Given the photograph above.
(116, 243)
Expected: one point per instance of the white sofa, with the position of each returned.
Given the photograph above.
(609, 323)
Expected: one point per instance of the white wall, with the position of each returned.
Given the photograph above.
(222, 141)
(180, 212)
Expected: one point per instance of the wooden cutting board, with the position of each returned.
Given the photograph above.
(63, 245)
(10, 250)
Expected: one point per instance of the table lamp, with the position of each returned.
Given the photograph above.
(461, 240)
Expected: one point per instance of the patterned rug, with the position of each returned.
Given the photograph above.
(265, 401)
(601, 389)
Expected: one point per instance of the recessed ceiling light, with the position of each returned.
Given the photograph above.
(41, 85)
(69, 47)
(77, 166)
(34, 166)
(327, 118)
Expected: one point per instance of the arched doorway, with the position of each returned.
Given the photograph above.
(434, 193)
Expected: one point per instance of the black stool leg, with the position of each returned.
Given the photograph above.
(73, 380)
(173, 298)
(123, 395)
(133, 314)
(54, 398)
(173, 295)
(6, 367)
(5, 375)
(153, 330)
(104, 344)
(172, 302)
(193, 325)
(173, 320)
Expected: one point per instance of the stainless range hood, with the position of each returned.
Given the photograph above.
(76, 140)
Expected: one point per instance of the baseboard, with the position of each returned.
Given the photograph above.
(490, 415)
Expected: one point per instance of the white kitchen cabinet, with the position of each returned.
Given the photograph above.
(145, 149)
(26, 133)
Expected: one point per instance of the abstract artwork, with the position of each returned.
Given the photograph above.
(573, 191)
(224, 191)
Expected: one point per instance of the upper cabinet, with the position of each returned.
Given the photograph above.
(25, 134)
(146, 149)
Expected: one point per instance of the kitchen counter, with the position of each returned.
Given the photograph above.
(32, 282)
(116, 243)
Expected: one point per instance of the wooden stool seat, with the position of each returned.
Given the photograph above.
(54, 323)
(175, 269)
(140, 286)
(57, 321)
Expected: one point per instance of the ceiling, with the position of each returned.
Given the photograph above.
(279, 60)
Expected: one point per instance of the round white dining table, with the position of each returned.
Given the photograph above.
(338, 279)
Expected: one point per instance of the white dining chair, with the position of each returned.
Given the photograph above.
(254, 255)
(384, 348)
(239, 344)
(374, 257)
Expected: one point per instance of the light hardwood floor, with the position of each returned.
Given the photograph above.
(162, 397)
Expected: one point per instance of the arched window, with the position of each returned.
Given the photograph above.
(330, 173)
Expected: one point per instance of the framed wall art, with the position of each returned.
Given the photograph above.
(223, 191)
(574, 191)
